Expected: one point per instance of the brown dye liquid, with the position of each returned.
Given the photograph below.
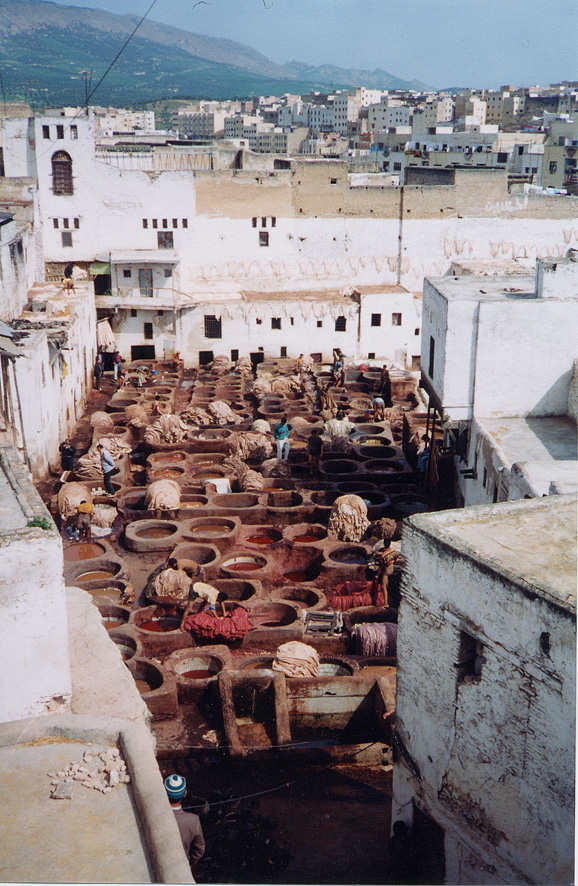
(111, 623)
(306, 539)
(210, 529)
(211, 477)
(296, 575)
(93, 576)
(261, 540)
(243, 567)
(110, 592)
(187, 505)
(143, 686)
(159, 625)
(83, 551)
(156, 532)
(167, 474)
(270, 624)
(197, 675)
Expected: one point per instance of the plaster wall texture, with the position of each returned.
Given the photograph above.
(557, 280)
(492, 759)
(573, 393)
(34, 652)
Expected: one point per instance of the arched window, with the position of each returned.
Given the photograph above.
(62, 173)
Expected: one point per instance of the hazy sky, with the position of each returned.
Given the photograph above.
(441, 42)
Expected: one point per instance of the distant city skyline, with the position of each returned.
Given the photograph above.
(442, 43)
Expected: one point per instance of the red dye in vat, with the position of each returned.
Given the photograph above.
(160, 625)
(261, 540)
(296, 575)
(306, 539)
(197, 675)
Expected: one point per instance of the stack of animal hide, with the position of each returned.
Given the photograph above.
(104, 516)
(223, 414)
(378, 639)
(262, 385)
(163, 495)
(261, 426)
(136, 416)
(101, 424)
(348, 520)
(244, 366)
(166, 429)
(221, 363)
(249, 481)
(171, 585)
(288, 384)
(296, 659)
(89, 465)
(70, 496)
(275, 467)
(384, 528)
(307, 364)
(195, 416)
(250, 445)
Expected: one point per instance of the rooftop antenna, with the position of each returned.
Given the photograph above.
(87, 77)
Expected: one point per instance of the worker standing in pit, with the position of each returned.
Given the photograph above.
(188, 823)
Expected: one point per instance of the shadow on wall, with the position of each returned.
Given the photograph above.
(555, 400)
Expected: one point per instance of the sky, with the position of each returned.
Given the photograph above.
(443, 43)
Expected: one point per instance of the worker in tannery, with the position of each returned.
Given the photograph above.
(188, 823)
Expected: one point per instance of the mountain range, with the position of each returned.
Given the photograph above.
(45, 48)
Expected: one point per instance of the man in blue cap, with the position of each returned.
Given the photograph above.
(188, 823)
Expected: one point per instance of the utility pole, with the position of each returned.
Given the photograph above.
(87, 77)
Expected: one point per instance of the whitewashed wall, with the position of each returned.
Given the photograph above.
(495, 757)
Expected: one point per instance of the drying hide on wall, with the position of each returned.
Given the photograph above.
(348, 520)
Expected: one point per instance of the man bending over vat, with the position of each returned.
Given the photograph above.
(212, 618)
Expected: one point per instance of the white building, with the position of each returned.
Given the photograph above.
(486, 692)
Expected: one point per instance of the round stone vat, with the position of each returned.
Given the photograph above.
(207, 555)
(195, 668)
(296, 565)
(349, 555)
(384, 466)
(113, 616)
(167, 471)
(220, 531)
(244, 564)
(203, 460)
(191, 503)
(84, 550)
(322, 503)
(151, 535)
(131, 505)
(378, 451)
(273, 615)
(346, 562)
(372, 430)
(261, 536)
(235, 501)
(377, 503)
(338, 467)
(334, 666)
(206, 473)
(241, 590)
(97, 486)
(126, 643)
(359, 488)
(161, 459)
(299, 470)
(106, 592)
(120, 404)
(282, 498)
(210, 440)
(93, 574)
(303, 597)
(158, 634)
(157, 688)
(304, 534)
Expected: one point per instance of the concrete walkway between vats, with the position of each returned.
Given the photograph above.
(127, 835)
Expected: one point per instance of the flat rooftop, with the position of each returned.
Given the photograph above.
(528, 541)
(546, 449)
(495, 288)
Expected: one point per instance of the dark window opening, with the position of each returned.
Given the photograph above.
(155, 223)
(205, 357)
(485, 478)
(165, 239)
(127, 272)
(292, 321)
(254, 222)
(168, 272)
(376, 319)
(371, 355)
(184, 223)
(415, 363)
(333, 181)
(55, 222)
(64, 222)
(147, 330)
(145, 282)
(319, 324)
(263, 222)
(495, 495)
(60, 131)
(133, 312)
(66, 238)
(142, 352)
(175, 223)
(273, 221)
(416, 331)
(62, 174)
(432, 353)
(340, 324)
(553, 167)
(46, 132)
(470, 659)
(234, 355)
(74, 131)
(165, 222)
(145, 222)
(275, 322)
(283, 352)
(502, 157)
(213, 327)
(396, 319)
(263, 238)
(76, 223)
(160, 313)
(545, 643)
(258, 321)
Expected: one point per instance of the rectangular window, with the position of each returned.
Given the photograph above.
(553, 167)
(396, 319)
(263, 238)
(46, 132)
(148, 331)
(340, 324)
(273, 222)
(416, 331)
(432, 354)
(258, 321)
(485, 479)
(165, 239)
(275, 322)
(376, 319)
(371, 355)
(502, 157)
(64, 222)
(283, 352)
(127, 273)
(184, 223)
(292, 321)
(145, 222)
(254, 222)
(234, 355)
(263, 222)
(160, 313)
(470, 659)
(333, 181)
(165, 222)
(175, 223)
(133, 312)
(145, 282)
(168, 272)
(155, 223)
(76, 223)
(74, 132)
(66, 238)
(55, 222)
(60, 131)
(213, 326)
(319, 324)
